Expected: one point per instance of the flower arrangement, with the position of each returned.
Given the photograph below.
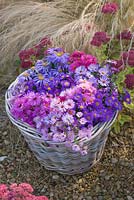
(21, 191)
(65, 95)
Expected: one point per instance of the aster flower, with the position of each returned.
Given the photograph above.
(104, 81)
(39, 80)
(83, 121)
(41, 67)
(65, 83)
(69, 104)
(75, 56)
(127, 97)
(104, 71)
(25, 76)
(93, 67)
(75, 147)
(62, 107)
(79, 114)
(68, 119)
(57, 55)
(81, 70)
(59, 137)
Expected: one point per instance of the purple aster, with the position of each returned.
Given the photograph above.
(97, 104)
(39, 80)
(83, 152)
(59, 137)
(109, 101)
(56, 56)
(108, 115)
(127, 97)
(70, 136)
(76, 147)
(93, 67)
(89, 116)
(24, 77)
(82, 121)
(104, 81)
(81, 70)
(117, 105)
(104, 71)
(68, 119)
(41, 67)
(65, 84)
(78, 97)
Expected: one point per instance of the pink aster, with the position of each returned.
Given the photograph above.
(88, 98)
(88, 59)
(68, 119)
(76, 55)
(86, 85)
(83, 121)
(69, 104)
(62, 107)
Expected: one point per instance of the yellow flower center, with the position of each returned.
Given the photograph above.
(33, 67)
(66, 83)
(40, 77)
(84, 99)
(49, 88)
(25, 74)
(81, 107)
(97, 103)
(59, 54)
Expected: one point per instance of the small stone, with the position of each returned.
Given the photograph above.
(89, 198)
(55, 177)
(51, 194)
(107, 178)
(4, 133)
(98, 189)
(130, 198)
(6, 142)
(100, 198)
(80, 180)
(114, 160)
(2, 158)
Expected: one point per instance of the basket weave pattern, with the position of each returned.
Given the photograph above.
(58, 157)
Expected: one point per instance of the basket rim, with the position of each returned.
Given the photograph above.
(97, 129)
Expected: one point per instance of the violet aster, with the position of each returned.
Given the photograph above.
(57, 55)
(104, 81)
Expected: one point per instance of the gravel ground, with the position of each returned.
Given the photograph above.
(110, 179)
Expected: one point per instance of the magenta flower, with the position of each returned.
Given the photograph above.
(21, 191)
(129, 81)
(110, 8)
(100, 38)
(128, 57)
(125, 35)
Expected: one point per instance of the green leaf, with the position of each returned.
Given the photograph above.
(124, 119)
(116, 126)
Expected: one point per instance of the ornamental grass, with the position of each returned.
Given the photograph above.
(71, 24)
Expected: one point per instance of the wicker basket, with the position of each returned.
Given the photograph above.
(58, 157)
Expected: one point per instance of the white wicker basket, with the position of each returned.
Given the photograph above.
(56, 156)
